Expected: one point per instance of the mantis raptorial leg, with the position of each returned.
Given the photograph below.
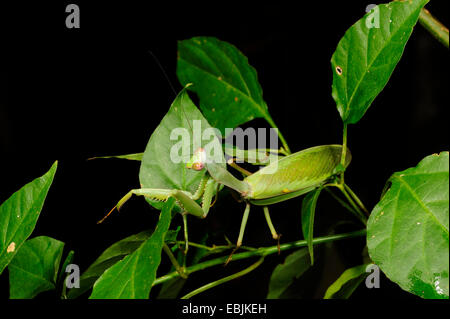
(184, 199)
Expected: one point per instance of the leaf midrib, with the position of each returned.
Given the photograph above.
(373, 61)
(241, 93)
(421, 203)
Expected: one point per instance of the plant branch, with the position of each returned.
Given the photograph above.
(434, 27)
(360, 214)
(224, 280)
(261, 252)
(356, 198)
(342, 202)
(174, 261)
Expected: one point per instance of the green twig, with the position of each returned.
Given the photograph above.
(434, 26)
(342, 202)
(186, 239)
(360, 215)
(283, 141)
(356, 198)
(214, 248)
(224, 280)
(261, 252)
(344, 151)
(174, 261)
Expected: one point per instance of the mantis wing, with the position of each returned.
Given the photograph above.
(306, 169)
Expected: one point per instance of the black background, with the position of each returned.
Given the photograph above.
(71, 94)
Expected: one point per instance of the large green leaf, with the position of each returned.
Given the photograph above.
(407, 232)
(112, 255)
(133, 276)
(308, 211)
(19, 214)
(108, 258)
(35, 267)
(347, 282)
(158, 170)
(366, 56)
(226, 84)
(284, 274)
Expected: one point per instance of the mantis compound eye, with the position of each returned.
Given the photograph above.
(198, 160)
(198, 166)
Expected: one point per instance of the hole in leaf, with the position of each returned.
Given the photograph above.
(339, 70)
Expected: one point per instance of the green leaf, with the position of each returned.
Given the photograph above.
(131, 157)
(171, 235)
(366, 57)
(108, 258)
(158, 170)
(61, 282)
(35, 267)
(133, 276)
(19, 214)
(226, 84)
(308, 212)
(284, 274)
(171, 289)
(407, 232)
(347, 282)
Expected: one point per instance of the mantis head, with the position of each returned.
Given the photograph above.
(198, 160)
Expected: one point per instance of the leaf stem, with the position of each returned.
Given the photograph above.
(356, 198)
(283, 141)
(360, 215)
(340, 201)
(262, 252)
(344, 151)
(434, 27)
(224, 280)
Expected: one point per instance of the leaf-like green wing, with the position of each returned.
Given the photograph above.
(19, 214)
(226, 84)
(308, 212)
(347, 282)
(368, 53)
(304, 170)
(133, 276)
(35, 267)
(284, 274)
(407, 232)
(158, 168)
(108, 258)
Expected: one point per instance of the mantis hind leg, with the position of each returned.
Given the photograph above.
(241, 232)
(274, 233)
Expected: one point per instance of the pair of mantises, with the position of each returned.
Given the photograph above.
(286, 178)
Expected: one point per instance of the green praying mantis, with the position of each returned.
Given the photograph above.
(283, 179)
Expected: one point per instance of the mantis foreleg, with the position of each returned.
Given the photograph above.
(184, 199)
